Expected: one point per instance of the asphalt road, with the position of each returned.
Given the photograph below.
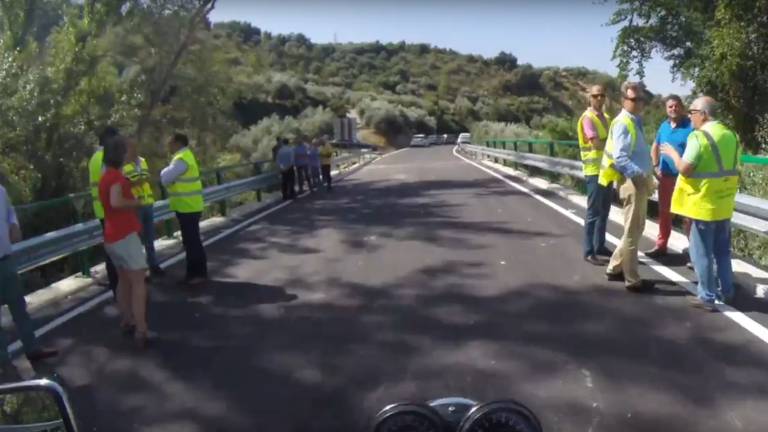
(420, 276)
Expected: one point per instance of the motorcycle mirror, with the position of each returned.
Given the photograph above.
(35, 406)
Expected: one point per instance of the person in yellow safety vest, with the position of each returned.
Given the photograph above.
(627, 163)
(136, 170)
(326, 159)
(95, 170)
(705, 192)
(185, 195)
(592, 130)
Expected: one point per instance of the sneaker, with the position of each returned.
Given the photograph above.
(594, 260)
(698, 303)
(615, 277)
(655, 253)
(41, 354)
(689, 265)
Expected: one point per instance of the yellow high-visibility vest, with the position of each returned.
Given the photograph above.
(142, 193)
(185, 194)
(590, 156)
(95, 170)
(608, 171)
(326, 154)
(709, 194)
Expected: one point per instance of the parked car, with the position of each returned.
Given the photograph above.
(433, 140)
(449, 139)
(419, 140)
(465, 138)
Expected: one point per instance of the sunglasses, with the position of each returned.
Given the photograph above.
(635, 99)
(598, 96)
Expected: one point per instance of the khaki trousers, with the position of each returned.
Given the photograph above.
(634, 194)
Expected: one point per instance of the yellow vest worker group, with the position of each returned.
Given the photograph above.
(142, 193)
(95, 170)
(185, 195)
(709, 193)
(590, 156)
(608, 171)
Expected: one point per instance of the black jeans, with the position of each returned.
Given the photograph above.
(288, 179)
(111, 270)
(197, 261)
(326, 172)
(302, 173)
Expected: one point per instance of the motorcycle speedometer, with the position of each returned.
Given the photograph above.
(408, 417)
(501, 416)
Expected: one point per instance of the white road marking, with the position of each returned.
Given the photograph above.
(737, 316)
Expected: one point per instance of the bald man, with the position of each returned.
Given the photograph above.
(705, 192)
(592, 131)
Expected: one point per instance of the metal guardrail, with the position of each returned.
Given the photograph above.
(54, 426)
(42, 249)
(751, 212)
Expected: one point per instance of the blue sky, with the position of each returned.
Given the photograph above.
(543, 32)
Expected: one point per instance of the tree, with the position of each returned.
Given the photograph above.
(720, 45)
(505, 60)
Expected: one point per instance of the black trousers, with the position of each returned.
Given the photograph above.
(288, 183)
(197, 261)
(111, 270)
(326, 172)
(302, 173)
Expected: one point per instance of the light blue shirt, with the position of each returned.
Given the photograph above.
(285, 157)
(631, 163)
(314, 156)
(7, 218)
(301, 154)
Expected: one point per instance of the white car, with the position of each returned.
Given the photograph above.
(464, 138)
(419, 141)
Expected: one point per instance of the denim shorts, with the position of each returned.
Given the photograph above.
(128, 253)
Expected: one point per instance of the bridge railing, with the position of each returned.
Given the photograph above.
(75, 238)
(751, 212)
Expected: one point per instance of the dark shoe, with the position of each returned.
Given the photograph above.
(156, 271)
(128, 330)
(594, 260)
(144, 340)
(41, 354)
(655, 253)
(641, 287)
(615, 277)
(604, 252)
(701, 304)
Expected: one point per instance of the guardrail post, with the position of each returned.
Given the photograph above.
(167, 224)
(530, 146)
(83, 256)
(552, 149)
(256, 172)
(495, 146)
(504, 147)
(514, 143)
(222, 203)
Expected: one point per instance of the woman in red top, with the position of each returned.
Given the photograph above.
(122, 241)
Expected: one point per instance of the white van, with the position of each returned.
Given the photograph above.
(465, 138)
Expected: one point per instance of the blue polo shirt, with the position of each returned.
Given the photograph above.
(677, 137)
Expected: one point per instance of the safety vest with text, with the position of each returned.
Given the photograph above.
(185, 194)
(608, 172)
(709, 193)
(590, 156)
(142, 192)
(95, 170)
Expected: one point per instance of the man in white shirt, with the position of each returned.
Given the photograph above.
(10, 290)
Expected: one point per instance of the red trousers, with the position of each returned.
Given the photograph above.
(666, 187)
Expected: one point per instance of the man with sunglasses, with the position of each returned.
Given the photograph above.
(673, 131)
(705, 192)
(627, 164)
(592, 130)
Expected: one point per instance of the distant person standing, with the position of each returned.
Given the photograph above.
(705, 192)
(185, 194)
(276, 148)
(673, 131)
(95, 170)
(326, 159)
(11, 293)
(122, 242)
(301, 155)
(592, 131)
(314, 164)
(137, 172)
(285, 162)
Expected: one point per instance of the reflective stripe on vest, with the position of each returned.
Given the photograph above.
(185, 194)
(608, 172)
(709, 194)
(95, 167)
(142, 193)
(591, 157)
